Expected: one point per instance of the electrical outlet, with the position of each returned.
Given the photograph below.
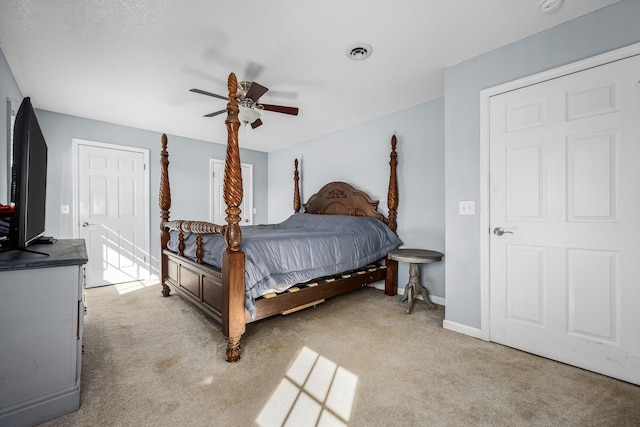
(467, 207)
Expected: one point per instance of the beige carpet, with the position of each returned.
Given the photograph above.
(356, 360)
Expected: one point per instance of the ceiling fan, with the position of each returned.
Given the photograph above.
(248, 95)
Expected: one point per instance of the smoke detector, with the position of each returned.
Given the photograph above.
(359, 51)
(550, 6)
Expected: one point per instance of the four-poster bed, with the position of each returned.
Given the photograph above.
(220, 292)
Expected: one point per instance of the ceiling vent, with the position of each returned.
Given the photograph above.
(550, 6)
(359, 51)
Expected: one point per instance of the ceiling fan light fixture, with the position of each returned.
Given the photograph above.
(247, 115)
(359, 51)
(247, 97)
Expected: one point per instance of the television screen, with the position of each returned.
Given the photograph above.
(28, 178)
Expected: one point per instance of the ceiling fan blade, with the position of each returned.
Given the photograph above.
(215, 113)
(256, 90)
(204, 92)
(280, 109)
(256, 123)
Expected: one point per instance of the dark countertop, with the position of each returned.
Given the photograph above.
(61, 253)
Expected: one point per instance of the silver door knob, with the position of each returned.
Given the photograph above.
(86, 224)
(499, 231)
(246, 220)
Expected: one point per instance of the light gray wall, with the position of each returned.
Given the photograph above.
(188, 170)
(606, 29)
(8, 91)
(359, 155)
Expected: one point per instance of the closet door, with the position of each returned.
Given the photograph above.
(565, 219)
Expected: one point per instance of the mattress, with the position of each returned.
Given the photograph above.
(301, 248)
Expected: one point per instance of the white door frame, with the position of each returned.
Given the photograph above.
(76, 143)
(485, 96)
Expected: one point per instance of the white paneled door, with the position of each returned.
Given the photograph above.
(111, 213)
(565, 219)
(218, 206)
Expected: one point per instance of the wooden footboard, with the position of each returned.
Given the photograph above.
(220, 293)
(199, 283)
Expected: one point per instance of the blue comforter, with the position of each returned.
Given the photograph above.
(302, 247)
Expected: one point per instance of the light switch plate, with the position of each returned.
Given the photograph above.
(467, 207)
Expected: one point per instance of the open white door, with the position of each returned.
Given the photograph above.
(112, 211)
(565, 215)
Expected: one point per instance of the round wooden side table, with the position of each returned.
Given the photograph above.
(415, 257)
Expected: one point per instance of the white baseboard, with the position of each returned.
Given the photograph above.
(434, 299)
(463, 329)
(446, 324)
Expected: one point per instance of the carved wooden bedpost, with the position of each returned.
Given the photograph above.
(392, 196)
(233, 259)
(296, 187)
(391, 281)
(164, 200)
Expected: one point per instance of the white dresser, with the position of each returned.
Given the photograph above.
(41, 314)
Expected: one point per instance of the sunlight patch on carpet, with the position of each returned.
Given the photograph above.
(207, 381)
(125, 288)
(314, 392)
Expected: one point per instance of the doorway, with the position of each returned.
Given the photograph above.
(111, 211)
(217, 204)
(563, 234)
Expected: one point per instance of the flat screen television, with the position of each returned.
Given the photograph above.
(28, 178)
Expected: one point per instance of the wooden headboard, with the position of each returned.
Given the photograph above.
(340, 198)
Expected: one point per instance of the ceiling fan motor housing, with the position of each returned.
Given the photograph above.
(243, 88)
(248, 95)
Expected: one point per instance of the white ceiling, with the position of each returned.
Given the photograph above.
(132, 62)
